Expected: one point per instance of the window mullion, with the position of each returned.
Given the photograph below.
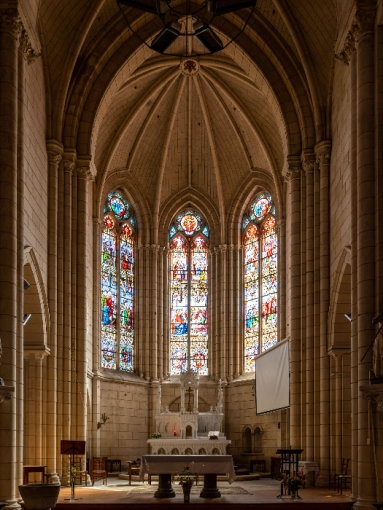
(189, 301)
(118, 278)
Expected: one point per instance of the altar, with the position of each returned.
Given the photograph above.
(207, 465)
(187, 432)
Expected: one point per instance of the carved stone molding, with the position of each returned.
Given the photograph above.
(373, 392)
(54, 158)
(363, 23)
(69, 166)
(10, 21)
(155, 248)
(308, 161)
(84, 172)
(323, 153)
(348, 49)
(26, 48)
(293, 169)
(222, 248)
(323, 158)
(337, 352)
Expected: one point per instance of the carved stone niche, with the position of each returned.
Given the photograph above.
(373, 392)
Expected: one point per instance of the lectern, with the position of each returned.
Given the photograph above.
(289, 461)
(72, 448)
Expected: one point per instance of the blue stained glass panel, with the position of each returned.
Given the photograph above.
(108, 294)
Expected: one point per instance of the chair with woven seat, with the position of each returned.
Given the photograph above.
(98, 469)
(333, 478)
(81, 473)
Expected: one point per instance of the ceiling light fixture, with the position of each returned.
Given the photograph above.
(188, 26)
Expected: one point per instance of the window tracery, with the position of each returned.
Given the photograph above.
(260, 278)
(117, 284)
(189, 293)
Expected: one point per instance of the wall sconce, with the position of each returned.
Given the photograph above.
(104, 419)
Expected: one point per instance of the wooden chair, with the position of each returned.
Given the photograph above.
(333, 478)
(80, 471)
(98, 469)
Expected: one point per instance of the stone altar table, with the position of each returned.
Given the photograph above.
(208, 465)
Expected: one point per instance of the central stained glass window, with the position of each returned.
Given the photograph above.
(260, 277)
(189, 293)
(117, 284)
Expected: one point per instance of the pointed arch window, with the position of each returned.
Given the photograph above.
(117, 284)
(188, 239)
(260, 277)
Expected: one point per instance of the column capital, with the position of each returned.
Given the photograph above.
(323, 152)
(69, 166)
(222, 248)
(293, 168)
(84, 172)
(308, 161)
(155, 248)
(364, 22)
(54, 158)
(10, 22)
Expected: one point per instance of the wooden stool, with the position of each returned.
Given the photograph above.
(33, 469)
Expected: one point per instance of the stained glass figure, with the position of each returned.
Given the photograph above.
(260, 279)
(188, 293)
(117, 285)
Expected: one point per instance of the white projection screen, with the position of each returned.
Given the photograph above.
(272, 379)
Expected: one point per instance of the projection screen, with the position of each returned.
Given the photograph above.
(272, 379)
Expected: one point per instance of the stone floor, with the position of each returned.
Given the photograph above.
(261, 493)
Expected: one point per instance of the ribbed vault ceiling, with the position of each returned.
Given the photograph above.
(240, 114)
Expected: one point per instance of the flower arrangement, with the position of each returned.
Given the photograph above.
(293, 483)
(186, 477)
(155, 435)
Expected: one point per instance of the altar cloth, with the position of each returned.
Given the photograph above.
(198, 464)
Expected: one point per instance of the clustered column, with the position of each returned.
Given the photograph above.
(12, 56)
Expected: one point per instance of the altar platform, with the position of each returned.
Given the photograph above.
(245, 495)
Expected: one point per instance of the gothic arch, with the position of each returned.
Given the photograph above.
(188, 198)
(261, 180)
(132, 192)
(339, 336)
(37, 329)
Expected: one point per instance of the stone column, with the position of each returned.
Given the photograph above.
(161, 296)
(153, 307)
(303, 340)
(363, 30)
(322, 152)
(166, 313)
(213, 315)
(222, 316)
(293, 178)
(308, 166)
(66, 388)
(281, 233)
(238, 319)
(10, 28)
(54, 157)
(34, 405)
(230, 312)
(84, 181)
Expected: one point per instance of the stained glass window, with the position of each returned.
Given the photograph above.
(188, 293)
(117, 284)
(260, 278)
